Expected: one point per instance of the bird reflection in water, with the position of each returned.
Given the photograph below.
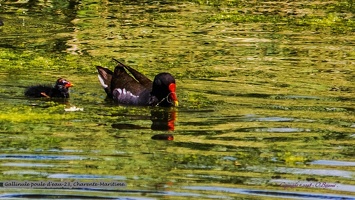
(162, 120)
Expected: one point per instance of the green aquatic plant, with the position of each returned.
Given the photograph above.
(16, 61)
(323, 16)
(195, 101)
(22, 114)
(291, 159)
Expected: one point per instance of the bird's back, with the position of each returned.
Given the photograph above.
(38, 90)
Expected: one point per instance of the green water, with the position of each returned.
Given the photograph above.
(266, 99)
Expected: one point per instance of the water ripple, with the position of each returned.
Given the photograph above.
(332, 163)
(278, 194)
(85, 176)
(39, 157)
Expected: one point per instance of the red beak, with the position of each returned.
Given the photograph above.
(172, 88)
(68, 85)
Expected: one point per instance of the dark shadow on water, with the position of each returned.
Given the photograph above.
(163, 137)
(128, 126)
(162, 120)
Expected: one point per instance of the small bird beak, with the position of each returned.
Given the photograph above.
(172, 88)
(68, 85)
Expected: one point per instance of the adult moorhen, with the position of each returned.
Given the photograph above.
(138, 90)
(60, 90)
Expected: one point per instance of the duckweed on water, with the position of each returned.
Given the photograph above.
(195, 101)
(290, 159)
(317, 16)
(23, 114)
(13, 61)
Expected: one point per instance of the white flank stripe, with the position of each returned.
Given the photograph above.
(102, 81)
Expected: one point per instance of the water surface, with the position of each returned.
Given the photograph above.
(266, 99)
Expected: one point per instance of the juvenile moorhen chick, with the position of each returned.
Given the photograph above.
(138, 90)
(60, 90)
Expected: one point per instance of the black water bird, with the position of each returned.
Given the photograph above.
(138, 90)
(60, 90)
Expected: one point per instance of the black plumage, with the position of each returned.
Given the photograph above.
(138, 89)
(59, 90)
